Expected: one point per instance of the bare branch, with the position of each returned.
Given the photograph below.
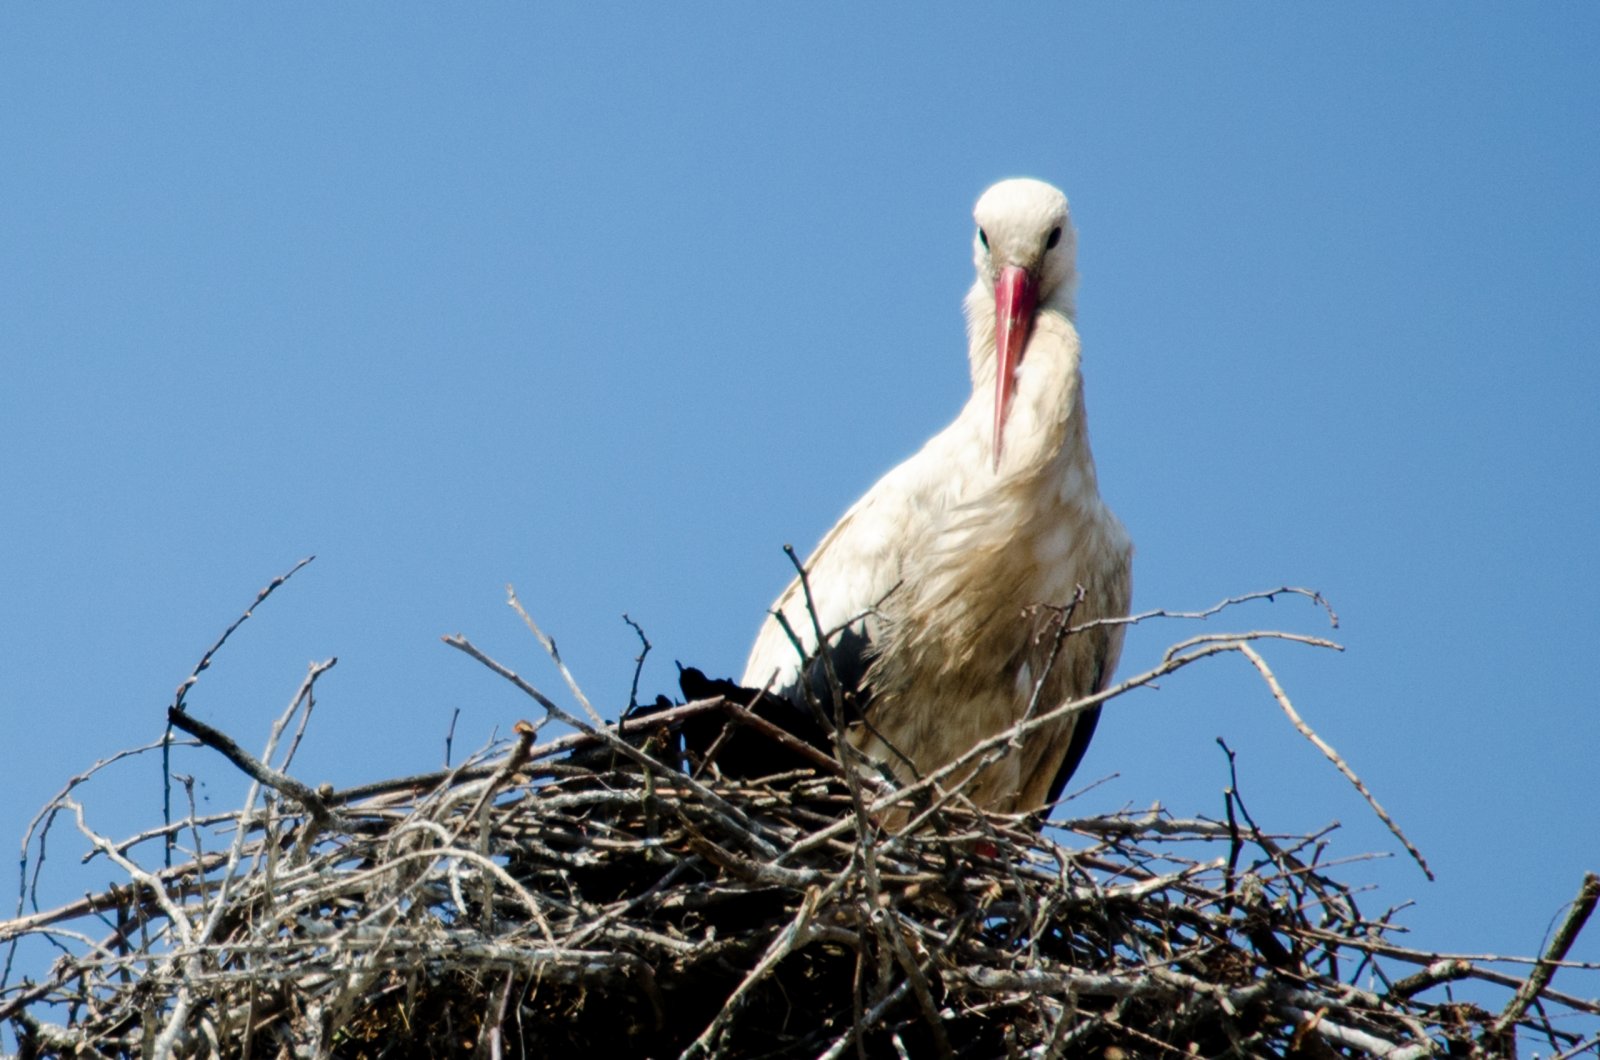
(550, 647)
(587, 896)
(1333, 756)
(251, 766)
(1545, 970)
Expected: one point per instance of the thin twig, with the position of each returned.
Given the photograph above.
(611, 739)
(259, 771)
(1333, 756)
(638, 664)
(204, 664)
(1539, 979)
(550, 647)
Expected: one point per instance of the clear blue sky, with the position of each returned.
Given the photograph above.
(611, 302)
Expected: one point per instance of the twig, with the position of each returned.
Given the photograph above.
(450, 735)
(194, 675)
(1333, 756)
(790, 938)
(39, 827)
(611, 739)
(253, 767)
(1269, 595)
(205, 660)
(1539, 979)
(1445, 970)
(638, 665)
(1063, 623)
(550, 648)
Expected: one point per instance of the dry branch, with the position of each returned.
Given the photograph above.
(606, 893)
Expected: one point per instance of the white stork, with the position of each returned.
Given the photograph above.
(929, 588)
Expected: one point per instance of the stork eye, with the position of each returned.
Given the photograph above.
(983, 237)
(1055, 237)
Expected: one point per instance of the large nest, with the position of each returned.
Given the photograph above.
(609, 893)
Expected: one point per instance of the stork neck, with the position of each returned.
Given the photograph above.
(1045, 424)
(979, 308)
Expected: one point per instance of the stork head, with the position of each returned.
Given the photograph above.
(1025, 249)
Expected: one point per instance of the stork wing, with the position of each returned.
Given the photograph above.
(844, 596)
(1082, 733)
(851, 573)
(1107, 647)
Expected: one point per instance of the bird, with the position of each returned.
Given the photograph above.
(940, 592)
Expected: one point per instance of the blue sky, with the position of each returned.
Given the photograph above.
(610, 303)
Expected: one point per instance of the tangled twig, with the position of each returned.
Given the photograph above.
(603, 894)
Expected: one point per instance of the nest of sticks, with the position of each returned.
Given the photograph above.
(633, 890)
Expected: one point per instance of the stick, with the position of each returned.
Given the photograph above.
(1545, 970)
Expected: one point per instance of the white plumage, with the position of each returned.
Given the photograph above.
(929, 587)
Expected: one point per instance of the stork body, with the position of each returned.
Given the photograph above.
(940, 589)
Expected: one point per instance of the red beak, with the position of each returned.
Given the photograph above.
(1014, 297)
